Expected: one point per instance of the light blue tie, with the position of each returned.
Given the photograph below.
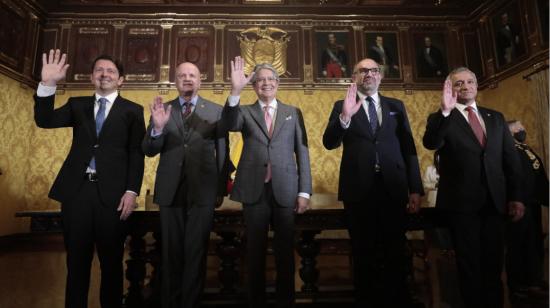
(373, 116)
(99, 119)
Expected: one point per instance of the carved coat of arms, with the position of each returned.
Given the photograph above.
(264, 45)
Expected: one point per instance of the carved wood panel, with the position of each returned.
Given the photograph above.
(12, 35)
(141, 53)
(195, 45)
(87, 43)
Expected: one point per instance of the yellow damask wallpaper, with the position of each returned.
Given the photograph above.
(31, 157)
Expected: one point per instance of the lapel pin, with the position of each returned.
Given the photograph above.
(288, 118)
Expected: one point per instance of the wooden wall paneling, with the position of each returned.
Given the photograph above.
(487, 47)
(542, 8)
(533, 23)
(406, 54)
(32, 43)
(49, 38)
(166, 43)
(219, 51)
(308, 53)
(472, 53)
(141, 53)
(454, 44)
(279, 45)
(13, 32)
(87, 43)
(194, 44)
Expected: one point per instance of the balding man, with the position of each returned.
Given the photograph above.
(379, 181)
(190, 182)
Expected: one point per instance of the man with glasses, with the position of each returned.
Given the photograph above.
(101, 176)
(379, 183)
(273, 179)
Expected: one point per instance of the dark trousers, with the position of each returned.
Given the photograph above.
(88, 223)
(478, 238)
(525, 250)
(377, 233)
(185, 232)
(258, 217)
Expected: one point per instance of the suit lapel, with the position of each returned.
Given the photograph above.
(489, 124)
(176, 114)
(283, 113)
(463, 123)
(258, 115)
(385, 113)
(89, 116)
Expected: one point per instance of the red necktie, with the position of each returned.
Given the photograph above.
(268, 123)
(186, 109)
(476, 126)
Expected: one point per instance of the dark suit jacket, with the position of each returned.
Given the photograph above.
(196, 150)
(119, 159)
(287, 150)
(465, 167)
(394, 143)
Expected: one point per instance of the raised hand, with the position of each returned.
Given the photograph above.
(159, 115)
(238, 78)
(351, 105)
(54, 67)
(302, 205)
(448, 101)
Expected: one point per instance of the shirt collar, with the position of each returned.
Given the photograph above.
(375, 97)
(110, 98)
(462, 107)
(272, 104)
(193, 101)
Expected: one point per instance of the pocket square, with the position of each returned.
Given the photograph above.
(392, 113)
(288, 118)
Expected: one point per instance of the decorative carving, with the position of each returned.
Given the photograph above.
(264, 45)
(12, 29)
(89, 43)
(142, 54)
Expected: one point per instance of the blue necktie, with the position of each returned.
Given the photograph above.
(99, 119)
(373, 116)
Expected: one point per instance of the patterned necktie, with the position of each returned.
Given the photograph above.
(373, 116)
(476, 126)
(268, 123)
(99, 119)
(186, 111)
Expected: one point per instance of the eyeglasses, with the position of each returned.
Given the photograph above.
(365, 71)
(266, 80)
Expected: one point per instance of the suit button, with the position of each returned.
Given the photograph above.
(185, 145)
(96, 146)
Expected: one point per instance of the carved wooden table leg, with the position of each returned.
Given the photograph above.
(135, 268)
(309, 249)
(228, 250)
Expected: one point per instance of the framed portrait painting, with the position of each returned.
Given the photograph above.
(430, 55)
(333, 55)
(383, 48)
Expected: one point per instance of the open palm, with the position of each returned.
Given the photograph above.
(54, 67)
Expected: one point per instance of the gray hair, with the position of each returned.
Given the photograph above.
(264, 66)
(460, 70)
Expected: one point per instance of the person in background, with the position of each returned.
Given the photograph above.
(525, 242)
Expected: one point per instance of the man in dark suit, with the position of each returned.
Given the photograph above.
(273, 178)
(525, 241)
(479, 184)
(101, 176)
(190, 182)
(382, 54)
(379, 181)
